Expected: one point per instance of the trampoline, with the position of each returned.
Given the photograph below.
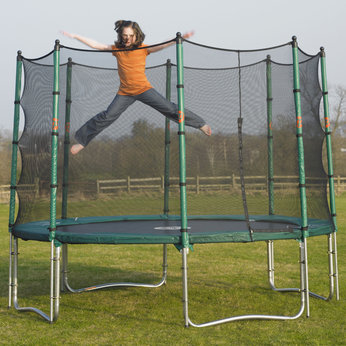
(255, 179)
(163, 230)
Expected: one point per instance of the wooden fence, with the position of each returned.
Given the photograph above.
(221, 183)
(195, 184)
(31, 189)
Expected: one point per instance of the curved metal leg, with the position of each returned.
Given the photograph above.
(184, 253)
(66, 284)
(10, 277)
(332, 261)
(303, 295)
(54, 283)
(336, 268)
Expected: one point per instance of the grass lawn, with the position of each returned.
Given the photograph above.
(224, 280)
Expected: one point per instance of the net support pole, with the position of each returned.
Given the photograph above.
(167, 160)
(167, 141)
(300, 144)
(65, 178)
(270, 136)
(66, 139)
(55, 251)
(270, 243)
(182, 148)
(15, 134)
(240, 152)
(182, 173)
(332, 246)
(54, 142)
(332, 252)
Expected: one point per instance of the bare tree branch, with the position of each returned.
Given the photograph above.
(339, 108)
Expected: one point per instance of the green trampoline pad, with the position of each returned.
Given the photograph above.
(161, 229)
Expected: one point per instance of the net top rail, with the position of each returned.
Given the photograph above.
(196, 55)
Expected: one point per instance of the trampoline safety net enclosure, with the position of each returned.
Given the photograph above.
(248, 170)
(265, 173)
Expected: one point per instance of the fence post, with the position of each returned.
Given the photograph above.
(233, 181)
(128, 184)
(197, 184)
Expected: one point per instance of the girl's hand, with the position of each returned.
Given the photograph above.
(87, 41)
(188, 34)
(67, 34)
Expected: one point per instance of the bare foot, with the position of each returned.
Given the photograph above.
(76, 148)
(206, 129)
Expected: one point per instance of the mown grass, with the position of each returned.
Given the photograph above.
(224, 280)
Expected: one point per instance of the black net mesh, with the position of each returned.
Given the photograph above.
(121, 171)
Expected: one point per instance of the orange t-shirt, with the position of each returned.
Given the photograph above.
(131, 70)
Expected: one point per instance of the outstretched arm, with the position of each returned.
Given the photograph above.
(163, 46)
(88, 41)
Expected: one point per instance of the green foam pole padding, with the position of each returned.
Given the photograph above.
(167, 140)
(54, 152)
(328, 135)
(182, 148)
(270, 137)
(299, 133)
(18, 88)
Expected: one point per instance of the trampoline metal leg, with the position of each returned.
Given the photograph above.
(270, 262)
(336, 268)
(302, 290)
(10, 278)
(164, 263)
(54, 283)
(184, 253)
(66, 285)
(271, 270)
(306, 277)
(332, 261)
(64, 261)
(331, 267)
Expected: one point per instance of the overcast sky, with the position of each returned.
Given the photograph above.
(32, 26)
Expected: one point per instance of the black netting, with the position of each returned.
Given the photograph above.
(121, 171)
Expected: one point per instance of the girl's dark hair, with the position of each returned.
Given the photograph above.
(119, 27)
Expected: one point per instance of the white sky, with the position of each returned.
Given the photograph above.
(32, 26)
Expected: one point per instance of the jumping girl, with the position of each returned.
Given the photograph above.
(134, 84)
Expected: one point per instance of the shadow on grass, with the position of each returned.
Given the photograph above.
(34, 277)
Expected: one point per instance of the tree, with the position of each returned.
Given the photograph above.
(338, 129)
(338, 108)
(5, 157)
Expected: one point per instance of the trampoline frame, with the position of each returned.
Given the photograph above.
(59, 281)
(58, 253)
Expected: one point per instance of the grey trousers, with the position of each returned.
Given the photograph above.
(121, 102)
